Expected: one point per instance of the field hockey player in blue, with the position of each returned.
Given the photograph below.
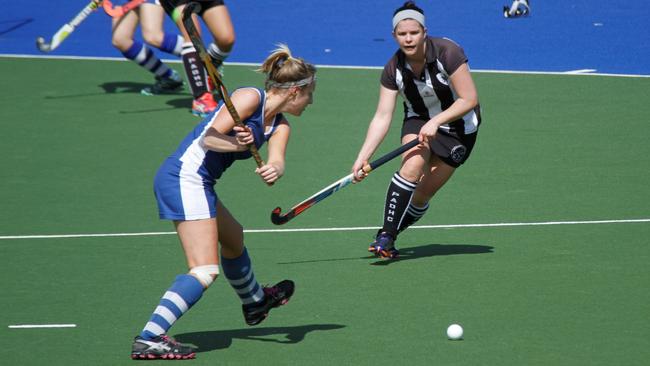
(184, 189)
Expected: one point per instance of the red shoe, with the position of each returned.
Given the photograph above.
(204, 105)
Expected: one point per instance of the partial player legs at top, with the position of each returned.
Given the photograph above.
(220, 25)
(151, 24)
(217, 19)
(150, 17)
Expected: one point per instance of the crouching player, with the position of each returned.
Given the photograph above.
(184, 189)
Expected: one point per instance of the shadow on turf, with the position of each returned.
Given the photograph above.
(220, 339)
(129, 87)
(116, 87)
(432, 250)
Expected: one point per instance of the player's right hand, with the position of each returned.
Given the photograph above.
(357, 170)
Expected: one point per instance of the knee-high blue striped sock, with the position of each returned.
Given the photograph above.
(239, 274)
(144, 56)
(172, 43)
(180, 297)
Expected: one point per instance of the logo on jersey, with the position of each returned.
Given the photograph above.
(442, 78)
(458, 153)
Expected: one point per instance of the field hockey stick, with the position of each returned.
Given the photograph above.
(120, 10)
(278, 219)
(68, 28)
(211, 67)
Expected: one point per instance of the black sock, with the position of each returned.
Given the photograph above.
(194, 70)
(412, 215)
(398, 197)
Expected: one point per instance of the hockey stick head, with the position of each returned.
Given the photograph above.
(42, 46)
(277, 218)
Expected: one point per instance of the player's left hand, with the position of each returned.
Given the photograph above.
(269, 173)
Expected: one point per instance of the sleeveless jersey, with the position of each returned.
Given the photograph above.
(192, 160)
(428, 95)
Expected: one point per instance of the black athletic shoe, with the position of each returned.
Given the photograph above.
(160, 347)
(273, 297)
(164, 85)
(384, 246)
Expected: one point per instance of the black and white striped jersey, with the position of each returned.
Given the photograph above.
(428, 94)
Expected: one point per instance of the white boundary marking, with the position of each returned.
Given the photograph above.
(30, 326)
(582, 72)
(451, 226)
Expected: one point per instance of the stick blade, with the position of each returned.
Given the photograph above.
(277, 218)
(42, 46)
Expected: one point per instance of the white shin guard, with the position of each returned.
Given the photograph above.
(205, 273)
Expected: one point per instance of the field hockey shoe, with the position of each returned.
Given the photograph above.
(274, 297)
(384, 246)
(160, 347)
(204, 105)
(165, 84)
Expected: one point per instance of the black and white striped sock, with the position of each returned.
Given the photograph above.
(412, 215)
(194, 69)
(398, 197)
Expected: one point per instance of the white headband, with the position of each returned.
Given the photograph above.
(288, 84)
(408, 14)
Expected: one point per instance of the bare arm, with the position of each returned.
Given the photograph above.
(216, 137)
(377, 129)
(461, 81)
(277, 147)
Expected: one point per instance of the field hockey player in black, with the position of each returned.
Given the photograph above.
(441, 109)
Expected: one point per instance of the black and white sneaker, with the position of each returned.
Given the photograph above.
(273, 297)
(161, 347)
(163, 85)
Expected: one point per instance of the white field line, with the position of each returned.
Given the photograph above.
(451, 226)
(583, 72)
(30, 326)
